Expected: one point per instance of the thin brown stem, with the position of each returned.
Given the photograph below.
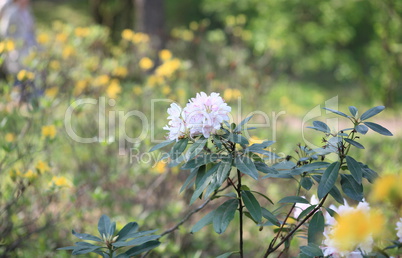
(238, 189)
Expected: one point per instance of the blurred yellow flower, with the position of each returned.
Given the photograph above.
(168, 68)
(146, 63)
(127, 34)
(6, 45)
(54, 65)
(230, 20)
(120, 71)
(182, 95)
(155, 80)
(42, 166)
(114, 89)
(194, 25)
(80, 87)
(160, 167)
(68, 51)
(49, 131)
(140, 38)
(388, 188)
(51, 92)
(354, 227)
(165, 54)
(187, 35)
(43, 38)
(241, 19)
(14, 173)
(60, 181)
(30, 175)
(24, 75)
(255, 139)
(101, 80)
(61, 37)
(82, 32)
(10, 137)
(166, 90)
(231, 94)
(137, 90)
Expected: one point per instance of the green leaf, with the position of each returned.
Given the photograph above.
(316, 228)
(84, 236)
(309, 167)
(252, 205)
(84, 248)
(361, 129)
(306, 183)
(142, 248)
(351, 188)
(161, 145)
(246, 166)
(199, 161)
(224, 215)
(336, 112)
(328, 179)
(104, 225)
(242, 123)
(226, 255)
(336, 194)
(238, 138)
(353, 110)
(312, 250)
(264, 168)
(368, 173)
(127, 231)
(260, 146)
(306, 211)
(354, 169)
(293, 199)
(354, 143)
(203, 183)
(320, 126)
(219, 177)
(378, 128)
(263, 195)
(196, 148)
(189, 179)
(178, 148)
(206, 220)
(137, 241)
(270, 217)
(371, 112)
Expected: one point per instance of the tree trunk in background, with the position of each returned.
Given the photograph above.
(150, 19)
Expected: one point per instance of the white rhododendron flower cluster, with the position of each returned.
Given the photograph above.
(202, 115)
(399, 230)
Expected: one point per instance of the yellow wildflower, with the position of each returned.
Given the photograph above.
(146, 63)
(120, 71)
(30, 175)
(127, 34)
(61, 37)
(231, 94)
(137, 90)
(114, 89)
(42, 166)
(80, 87)
(82, 32)
(230, 20)
(168, 68)
(166, 90)
(54, 65)
(60, 181)
(160, 167)
(355, 227)
(68, 51)
(43, 38)
(165, 54)
(387, 188)
(49, 131)
(10, 137)
(24, 75)
(51, 92)
(101, 80)
(187, 35)
(6, 45)
(14, 173)
(194, 25)
(140, 38)
(155, 80)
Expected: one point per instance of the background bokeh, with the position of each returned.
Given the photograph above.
(282, 58)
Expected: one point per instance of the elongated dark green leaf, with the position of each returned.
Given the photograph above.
(270, 217)
(84, 236)
(361, 129)
(178, 148)
(351, 188)
(353, 110)
(316, 228)
(199, 161)
(242, 123)
(161, 145)
(378, 128)
(196, 148)
(263, 195)
(306, 211)
(246, 166)
(371, 112)
(336, 112)
(127, 231)
(219, 177)
(252, 205)
(137, 241)
(84, 248)
(206, 220)
(66, 248)
(224, 215)
(226, 255)
(368, 173)
(260, 146)
(309, 167)
(104, 225)
(142, 248)
(354, 143)
(336, 194)
(306, 183)
(238, 138)
(293, 199)
(354, 169)
(189, 179)
(312, 250)
(320, 126)
(204, 181)
(328, 179)
(264, 168)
